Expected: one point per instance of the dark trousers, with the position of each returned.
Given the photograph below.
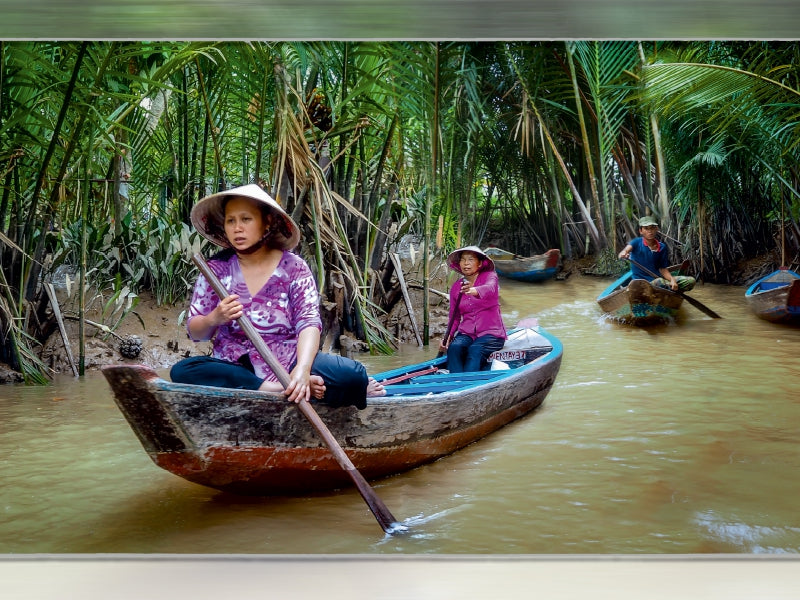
(466, 354)
(345, 379)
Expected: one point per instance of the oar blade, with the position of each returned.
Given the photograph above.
(382, 514)
(699, 305)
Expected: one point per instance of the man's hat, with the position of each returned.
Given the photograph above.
(647, 221)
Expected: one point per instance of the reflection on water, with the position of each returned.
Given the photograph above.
(675, 439)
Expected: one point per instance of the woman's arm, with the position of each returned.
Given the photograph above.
(488, 288)
(299, 387)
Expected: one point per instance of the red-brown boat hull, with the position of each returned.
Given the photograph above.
(254, 443)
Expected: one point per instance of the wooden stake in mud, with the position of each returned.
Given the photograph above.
(378, 508)
(51, 293)
(399, 270)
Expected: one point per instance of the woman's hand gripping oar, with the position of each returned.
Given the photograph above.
(378, 508)
(696, 303)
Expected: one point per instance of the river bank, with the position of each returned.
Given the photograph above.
(160, 329)
(162, 333)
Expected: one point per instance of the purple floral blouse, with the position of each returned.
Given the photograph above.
(287, 304)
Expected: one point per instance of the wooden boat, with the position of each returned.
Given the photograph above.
(255, 443)
(776, 297)
(638, 302)
(532, 268)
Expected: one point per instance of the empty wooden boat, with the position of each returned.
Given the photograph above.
(776, 297)
(532, 268)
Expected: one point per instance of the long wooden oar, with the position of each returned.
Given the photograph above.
(450, 324)
(378, 508)
(696, 303)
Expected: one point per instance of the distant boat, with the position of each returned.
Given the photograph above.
(256, 443)
(638, 302)
(532, 268)
(776, 297)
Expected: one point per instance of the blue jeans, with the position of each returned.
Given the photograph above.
(466, 354)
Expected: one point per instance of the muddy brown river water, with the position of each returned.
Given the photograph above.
(676, 439)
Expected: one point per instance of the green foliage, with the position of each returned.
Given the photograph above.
(22, 346)
(154, 255)
(120, 304)
(734, 149)
(609, 263)
(164, 255)
(542, 144)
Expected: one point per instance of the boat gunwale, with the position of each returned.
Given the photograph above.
(505, 376)
(752, 291)
(619, 284)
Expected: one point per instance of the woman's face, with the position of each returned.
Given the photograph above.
(244, 223)
(469, 263)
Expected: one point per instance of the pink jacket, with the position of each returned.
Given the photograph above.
(479, 316)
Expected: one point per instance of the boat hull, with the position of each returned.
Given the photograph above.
(776, 297)
(254, 443)
(637, 302)
(531, 269)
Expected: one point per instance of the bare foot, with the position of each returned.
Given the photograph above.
(375, 389)
(317, 385)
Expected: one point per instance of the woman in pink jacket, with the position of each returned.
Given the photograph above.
(474, 312)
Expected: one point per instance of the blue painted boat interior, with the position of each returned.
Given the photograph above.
(764, 285)
(772, 285)
(434, 383)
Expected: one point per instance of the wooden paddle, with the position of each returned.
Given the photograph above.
(696, 303)
(451, 322)
(378, 508)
